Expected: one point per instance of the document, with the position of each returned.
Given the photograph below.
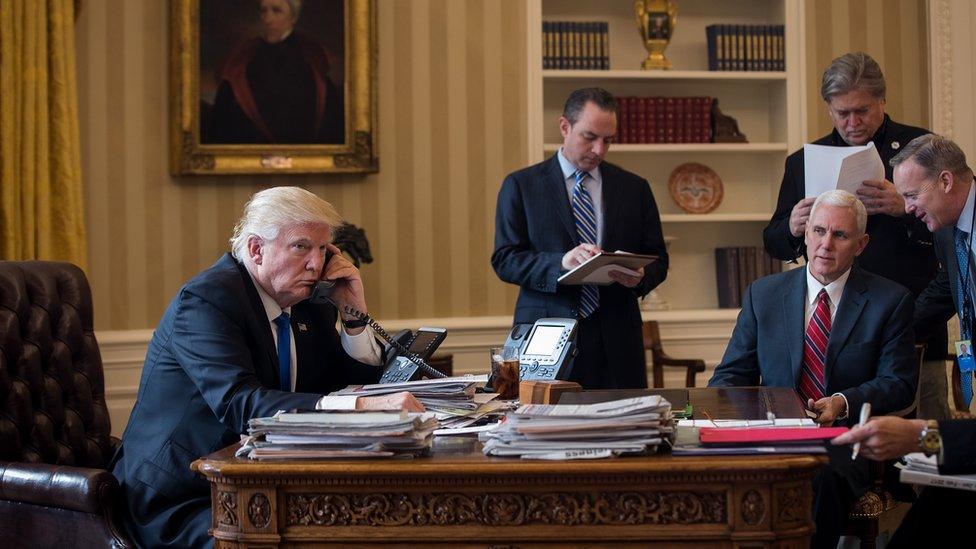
(826, 168)
(922, 469)
(596, 270)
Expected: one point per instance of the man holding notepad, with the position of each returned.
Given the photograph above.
(555, 215)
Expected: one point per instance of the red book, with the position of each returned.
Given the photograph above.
(623, 107)
(641, 119)
(767, 435)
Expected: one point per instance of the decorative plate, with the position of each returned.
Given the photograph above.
(695, 188)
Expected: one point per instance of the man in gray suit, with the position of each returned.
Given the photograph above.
(839, 335)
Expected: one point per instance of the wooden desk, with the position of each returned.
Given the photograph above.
(460, 498)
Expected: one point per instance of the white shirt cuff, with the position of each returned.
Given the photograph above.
(362, 347)
(337, 402)
(847, 407)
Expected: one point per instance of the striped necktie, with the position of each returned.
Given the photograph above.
(585, 216)
(964, 306)
(812, 377)
(284, 351)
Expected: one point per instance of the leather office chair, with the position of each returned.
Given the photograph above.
(54, 425)
(864, 519)
(660, 359)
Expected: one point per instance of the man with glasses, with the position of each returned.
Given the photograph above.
(900, 248)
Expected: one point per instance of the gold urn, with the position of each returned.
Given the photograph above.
(656, 20)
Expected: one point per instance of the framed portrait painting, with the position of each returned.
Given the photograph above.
(272, 86)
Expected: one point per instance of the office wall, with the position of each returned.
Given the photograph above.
(894, 32)
(451, 81)
(451, 75)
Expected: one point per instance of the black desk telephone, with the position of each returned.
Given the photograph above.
(407, 360)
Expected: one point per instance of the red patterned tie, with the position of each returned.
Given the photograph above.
(811, 383)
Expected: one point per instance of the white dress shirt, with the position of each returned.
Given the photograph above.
(593, 184)
(835, 290)
(362, 347)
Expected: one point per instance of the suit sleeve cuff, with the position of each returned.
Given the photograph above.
(847, 406)
(337, 402)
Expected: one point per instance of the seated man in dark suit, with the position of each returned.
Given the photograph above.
(239, 341)
(839, 335)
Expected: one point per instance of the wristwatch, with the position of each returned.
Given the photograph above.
(929, 440)
(355, 323)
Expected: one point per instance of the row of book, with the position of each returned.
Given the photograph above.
(746, 47)
(664, 119)
(575, 45)
(736, 268)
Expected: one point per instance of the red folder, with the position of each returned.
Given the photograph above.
(767, 435)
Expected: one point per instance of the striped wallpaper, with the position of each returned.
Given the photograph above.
(451, 102)
(451, 81)
(894, 32)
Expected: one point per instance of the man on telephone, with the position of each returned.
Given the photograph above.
(555, 215)
(240, 340)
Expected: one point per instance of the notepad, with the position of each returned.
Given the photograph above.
(596, 270)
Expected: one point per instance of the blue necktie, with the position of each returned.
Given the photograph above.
(965, 306)
(585, 216)
(284, 351)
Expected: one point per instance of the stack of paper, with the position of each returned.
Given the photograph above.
(741, 437)
(564, 431)
(452, 400)
(323, 434)
(922, 469)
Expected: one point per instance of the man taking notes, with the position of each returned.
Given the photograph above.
(837, 334)
(557, 214)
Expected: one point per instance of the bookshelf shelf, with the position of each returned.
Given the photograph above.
(769, 108)
(732, 76)
(688, 147)
(716, 218)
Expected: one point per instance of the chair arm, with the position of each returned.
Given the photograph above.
(75, 488)
(694, 364)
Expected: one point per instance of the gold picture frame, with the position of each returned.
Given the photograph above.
(201, 143)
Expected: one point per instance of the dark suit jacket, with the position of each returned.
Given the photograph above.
(900, 247)
(870, 354)
(211, 366)
(937, 303)
(534, 228)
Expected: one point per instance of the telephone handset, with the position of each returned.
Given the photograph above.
(546, 348)
(409, 362)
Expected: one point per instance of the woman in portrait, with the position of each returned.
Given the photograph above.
(275, 88)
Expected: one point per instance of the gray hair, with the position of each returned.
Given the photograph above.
(271, 210)
(853, 71)
(294, 5)
(842, 199)
(934, 154)
(578, 99)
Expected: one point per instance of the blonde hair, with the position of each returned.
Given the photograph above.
(270, 210)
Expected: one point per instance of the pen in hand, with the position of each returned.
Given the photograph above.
(865, 414)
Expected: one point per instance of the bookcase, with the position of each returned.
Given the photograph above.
(769, 108)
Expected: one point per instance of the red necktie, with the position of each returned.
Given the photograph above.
(811, 383)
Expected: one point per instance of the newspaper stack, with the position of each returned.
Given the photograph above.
(452, 400)
(590, 431)
(922, 469)
(326, 434)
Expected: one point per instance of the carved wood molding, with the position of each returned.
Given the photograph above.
(943, 96)
(259, 510)
(789, 503)
(506, 509)
(227, 508)
(753, 508)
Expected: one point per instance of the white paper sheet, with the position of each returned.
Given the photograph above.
(826, 168)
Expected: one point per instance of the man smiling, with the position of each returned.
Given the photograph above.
(837, 334)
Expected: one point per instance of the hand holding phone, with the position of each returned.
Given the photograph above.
(347, 285)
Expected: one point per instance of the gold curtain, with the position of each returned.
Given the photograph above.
(41, 194)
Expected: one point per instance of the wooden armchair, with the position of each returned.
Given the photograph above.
(660, 359)
(55, 444)
(864, 519)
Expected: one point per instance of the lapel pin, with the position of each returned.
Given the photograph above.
(895, 145)
(302, 327)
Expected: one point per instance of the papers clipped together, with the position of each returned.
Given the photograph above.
(589, 431)
(331, 434)
(922, 469)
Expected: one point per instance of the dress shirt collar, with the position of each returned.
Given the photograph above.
(965, 222)
(271, 307)
(834, 290)
(569, 169)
